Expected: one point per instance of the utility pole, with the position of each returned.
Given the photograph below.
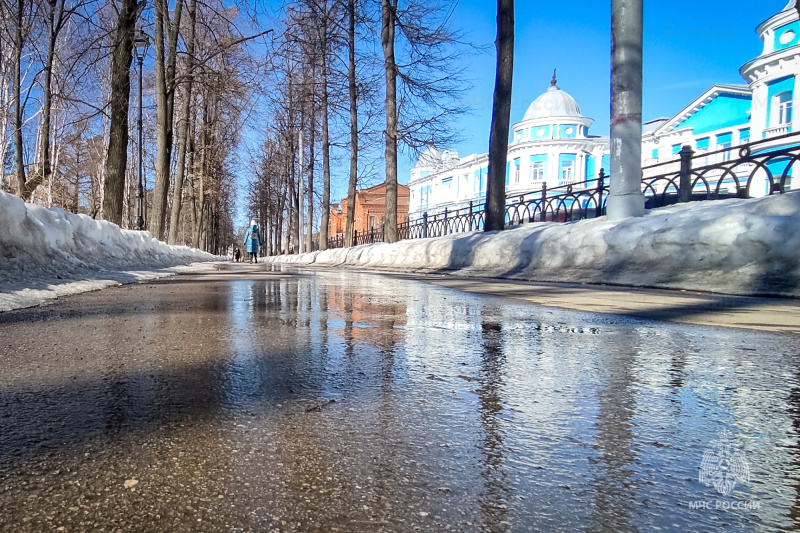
(625, 197)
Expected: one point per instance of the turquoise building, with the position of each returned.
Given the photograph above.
(727, 116)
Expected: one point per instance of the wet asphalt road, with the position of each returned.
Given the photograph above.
(341, 401)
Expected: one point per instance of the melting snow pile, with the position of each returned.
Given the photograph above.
(730, 246)
(46, 253)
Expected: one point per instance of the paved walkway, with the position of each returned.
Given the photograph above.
(764, 314)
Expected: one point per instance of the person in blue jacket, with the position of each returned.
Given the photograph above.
(252, 240)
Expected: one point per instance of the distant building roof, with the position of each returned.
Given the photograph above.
(654, 124)
(553, 103)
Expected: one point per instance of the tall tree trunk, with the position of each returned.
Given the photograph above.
(202, 173)
(388, 14)
(54, 20)
(291, 231)
(192, 175)
(326, 146)
(352, 90)
(301, 196)
(117, 155)
(177, 193)
(501, 116)
(166, 36)
(18, 147)
(6, 62)
(311, 150)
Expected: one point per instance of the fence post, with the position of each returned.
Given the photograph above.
(372, 235)
(445, 221)
(601, 178)
(469, 215)
(425, 225)
(355, 237)
(686, 154)
(544, 201)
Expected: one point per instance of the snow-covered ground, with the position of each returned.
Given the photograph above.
(47, 253)
(731, 246)
(749, 247)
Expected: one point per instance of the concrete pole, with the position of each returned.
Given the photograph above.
(625, 198)
(300, 193)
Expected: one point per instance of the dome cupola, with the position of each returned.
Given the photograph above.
(553, 103)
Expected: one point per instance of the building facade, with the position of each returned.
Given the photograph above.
(370, 210)
(551, 145)
(727, 116)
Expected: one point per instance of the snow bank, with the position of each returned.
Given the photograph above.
(732, 246)
(46, 253)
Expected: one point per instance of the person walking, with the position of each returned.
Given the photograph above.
(252, 240)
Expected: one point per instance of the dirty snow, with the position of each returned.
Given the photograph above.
(47, 253)
(731, 246)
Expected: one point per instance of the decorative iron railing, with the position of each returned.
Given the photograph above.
(756, 169)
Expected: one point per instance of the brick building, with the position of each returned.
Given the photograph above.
(370, 210)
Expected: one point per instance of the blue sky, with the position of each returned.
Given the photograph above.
(689, 46)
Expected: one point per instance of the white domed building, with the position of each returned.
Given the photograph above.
(551, 145)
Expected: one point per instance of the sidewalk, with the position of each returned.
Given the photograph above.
(763, 314)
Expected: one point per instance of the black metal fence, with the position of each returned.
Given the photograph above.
(759, 168)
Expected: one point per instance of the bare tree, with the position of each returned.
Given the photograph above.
(56, 15)
(117, 155)
(420, 107)
(388, 18)
(177, 195)
(352, 90)
(501, 116)
(326, 147)
(21, 13)
(166, 53)
(6, 90)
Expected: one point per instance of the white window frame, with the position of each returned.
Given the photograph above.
(726, 155)
(568, 172)
(783, 108)
(537, 171)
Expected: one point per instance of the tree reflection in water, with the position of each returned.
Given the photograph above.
(494, 498)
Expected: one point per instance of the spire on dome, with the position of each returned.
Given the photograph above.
(553, 81)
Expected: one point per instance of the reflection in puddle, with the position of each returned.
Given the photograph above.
(355, 402)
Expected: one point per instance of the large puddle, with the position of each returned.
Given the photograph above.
(327, 401)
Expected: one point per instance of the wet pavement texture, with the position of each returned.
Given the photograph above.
(340, 401)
